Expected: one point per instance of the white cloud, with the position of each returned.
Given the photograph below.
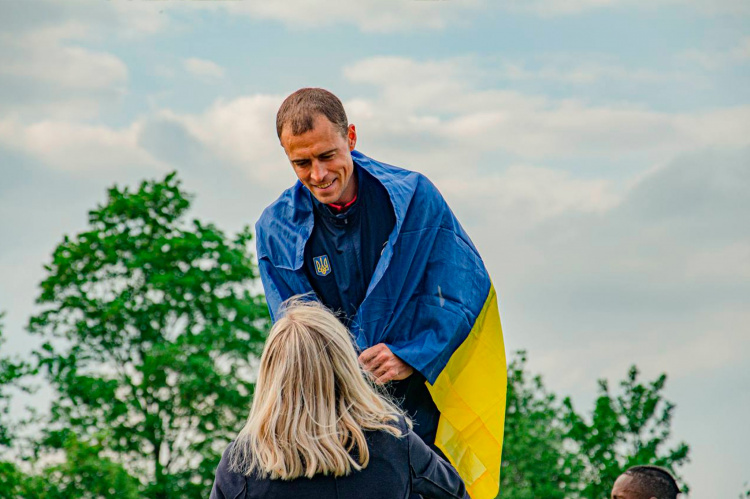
(400, 15)
(737, 55)
(549, 8)
(680, 347)
(135, 19)
(430, 116)
(557, 7)
(725, 263)
(529, 193)
(99, 19)
(76, 147)
(583, 69)
(203, 68)
(718, 7)
(241, 132)
(729, 127)
(368, 15)
(658, 279)
(44, 58)
(438, 98)
(44, 75)
(45, 69)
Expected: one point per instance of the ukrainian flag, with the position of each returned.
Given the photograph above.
(470, 394)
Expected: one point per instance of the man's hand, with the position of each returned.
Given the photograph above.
(384, 365)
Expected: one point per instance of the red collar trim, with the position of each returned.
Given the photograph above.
(341, 208)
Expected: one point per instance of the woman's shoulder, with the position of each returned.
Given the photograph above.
(228, 483)
(387, 441)
(397, 421)
(402, 424)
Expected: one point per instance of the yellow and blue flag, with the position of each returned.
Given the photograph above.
(430, 300)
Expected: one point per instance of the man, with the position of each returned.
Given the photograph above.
(379, 245)
(645, 482)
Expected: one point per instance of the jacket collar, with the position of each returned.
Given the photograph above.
(293, 212)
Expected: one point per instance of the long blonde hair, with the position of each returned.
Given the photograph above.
(312, 401)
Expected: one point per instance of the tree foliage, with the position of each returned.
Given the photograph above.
(12, 371)
(85, 473)
(536, 462)
(624, 430)
(552, 451)
(13, 480)
(150, 328)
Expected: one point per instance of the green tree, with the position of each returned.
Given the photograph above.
(13, 480)
(551, 451)
(624, 430)
(536, 459)
(150, 326)
(85, 473)
(11, 372)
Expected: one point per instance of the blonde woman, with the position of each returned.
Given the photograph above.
(319, 429)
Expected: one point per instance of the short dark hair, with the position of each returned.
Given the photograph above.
(300, 109)
(654, 481)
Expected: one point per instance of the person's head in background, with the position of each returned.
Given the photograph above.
(312, 401)
(645, 482)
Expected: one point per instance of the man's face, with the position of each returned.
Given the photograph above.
(322, 161)
(626, 488)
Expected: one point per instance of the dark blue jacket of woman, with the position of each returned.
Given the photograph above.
(398, 468)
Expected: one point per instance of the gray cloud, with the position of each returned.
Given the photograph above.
(170, 142)
(669, 264)
(699, 197)
(21, 17)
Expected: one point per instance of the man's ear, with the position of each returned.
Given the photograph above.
(351, 136)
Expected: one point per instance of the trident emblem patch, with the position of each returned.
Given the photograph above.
(322, 265)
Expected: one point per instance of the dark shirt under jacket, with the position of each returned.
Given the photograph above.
(398, 467)
(352, 243)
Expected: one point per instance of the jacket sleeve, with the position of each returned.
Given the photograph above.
(276, 289)
(228, 485)
(431, 475)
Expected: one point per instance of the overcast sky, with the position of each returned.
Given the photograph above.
(597, 152)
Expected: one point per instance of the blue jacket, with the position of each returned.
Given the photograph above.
(429, 285)
(398, 467)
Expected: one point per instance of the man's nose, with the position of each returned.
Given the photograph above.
(318, 171)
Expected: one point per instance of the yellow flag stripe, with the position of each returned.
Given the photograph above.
(470, 394)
